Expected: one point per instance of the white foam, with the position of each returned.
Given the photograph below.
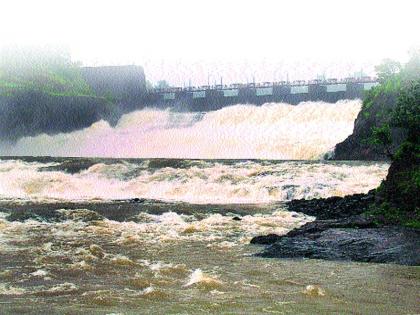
(201, 182)
(63, 287)
(39, 273)
(270, 131)
(170, 227)
(199, 277)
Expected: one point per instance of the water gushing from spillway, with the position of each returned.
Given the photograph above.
(272, 131)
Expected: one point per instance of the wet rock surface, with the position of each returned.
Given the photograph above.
(265, 239)
(381, 245)
(346, 235)
(333, 207)
(60, 215)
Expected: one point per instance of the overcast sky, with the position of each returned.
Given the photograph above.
(181, 40)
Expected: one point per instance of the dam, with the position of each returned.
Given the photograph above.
(127, 87)
(210, 98)
(118, 90)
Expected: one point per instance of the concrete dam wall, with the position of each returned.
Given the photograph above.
(212, 98)
(126, 85)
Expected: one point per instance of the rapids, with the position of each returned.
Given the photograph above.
(174, 263)
(192, 181)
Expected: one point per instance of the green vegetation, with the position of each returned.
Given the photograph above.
(398, 197)
(43, 91)
(48, 71)
(382, 136)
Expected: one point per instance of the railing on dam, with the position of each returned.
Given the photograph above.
(326, 82)
(211, 97)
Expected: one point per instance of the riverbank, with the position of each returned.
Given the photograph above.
(343, 231)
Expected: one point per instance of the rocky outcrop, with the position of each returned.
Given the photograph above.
(83, 215)
(388, 234)
(343, 232)
(316, 227)
(28, 113)
(333, 207)
(375, 112)
(401, 187)
(352, 239)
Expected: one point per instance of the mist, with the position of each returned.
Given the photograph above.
(180, 41)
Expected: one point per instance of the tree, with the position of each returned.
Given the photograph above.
(407, 113)
(387, 69)
(382, 136)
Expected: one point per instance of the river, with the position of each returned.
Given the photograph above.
(73, 240)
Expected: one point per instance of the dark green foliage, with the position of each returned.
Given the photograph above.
(373, 138)
(386, 214)
(407, 113)
(398, 197)
(395, 80)
(382, 136)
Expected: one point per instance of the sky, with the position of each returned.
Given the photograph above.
(185, 41)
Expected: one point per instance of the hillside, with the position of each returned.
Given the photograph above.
(44, 91)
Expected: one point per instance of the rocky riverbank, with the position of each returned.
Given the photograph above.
(343, 232)
(380, 226)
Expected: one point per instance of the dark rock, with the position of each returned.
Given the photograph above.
(400, 189)
(265, 239)
(60, 215)
(317, 226)
(394, 244)
(355, 238)
(71, 166)
(333, 207)
(236, 219)
(359, 222)
(83, 215)
(22, 216)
